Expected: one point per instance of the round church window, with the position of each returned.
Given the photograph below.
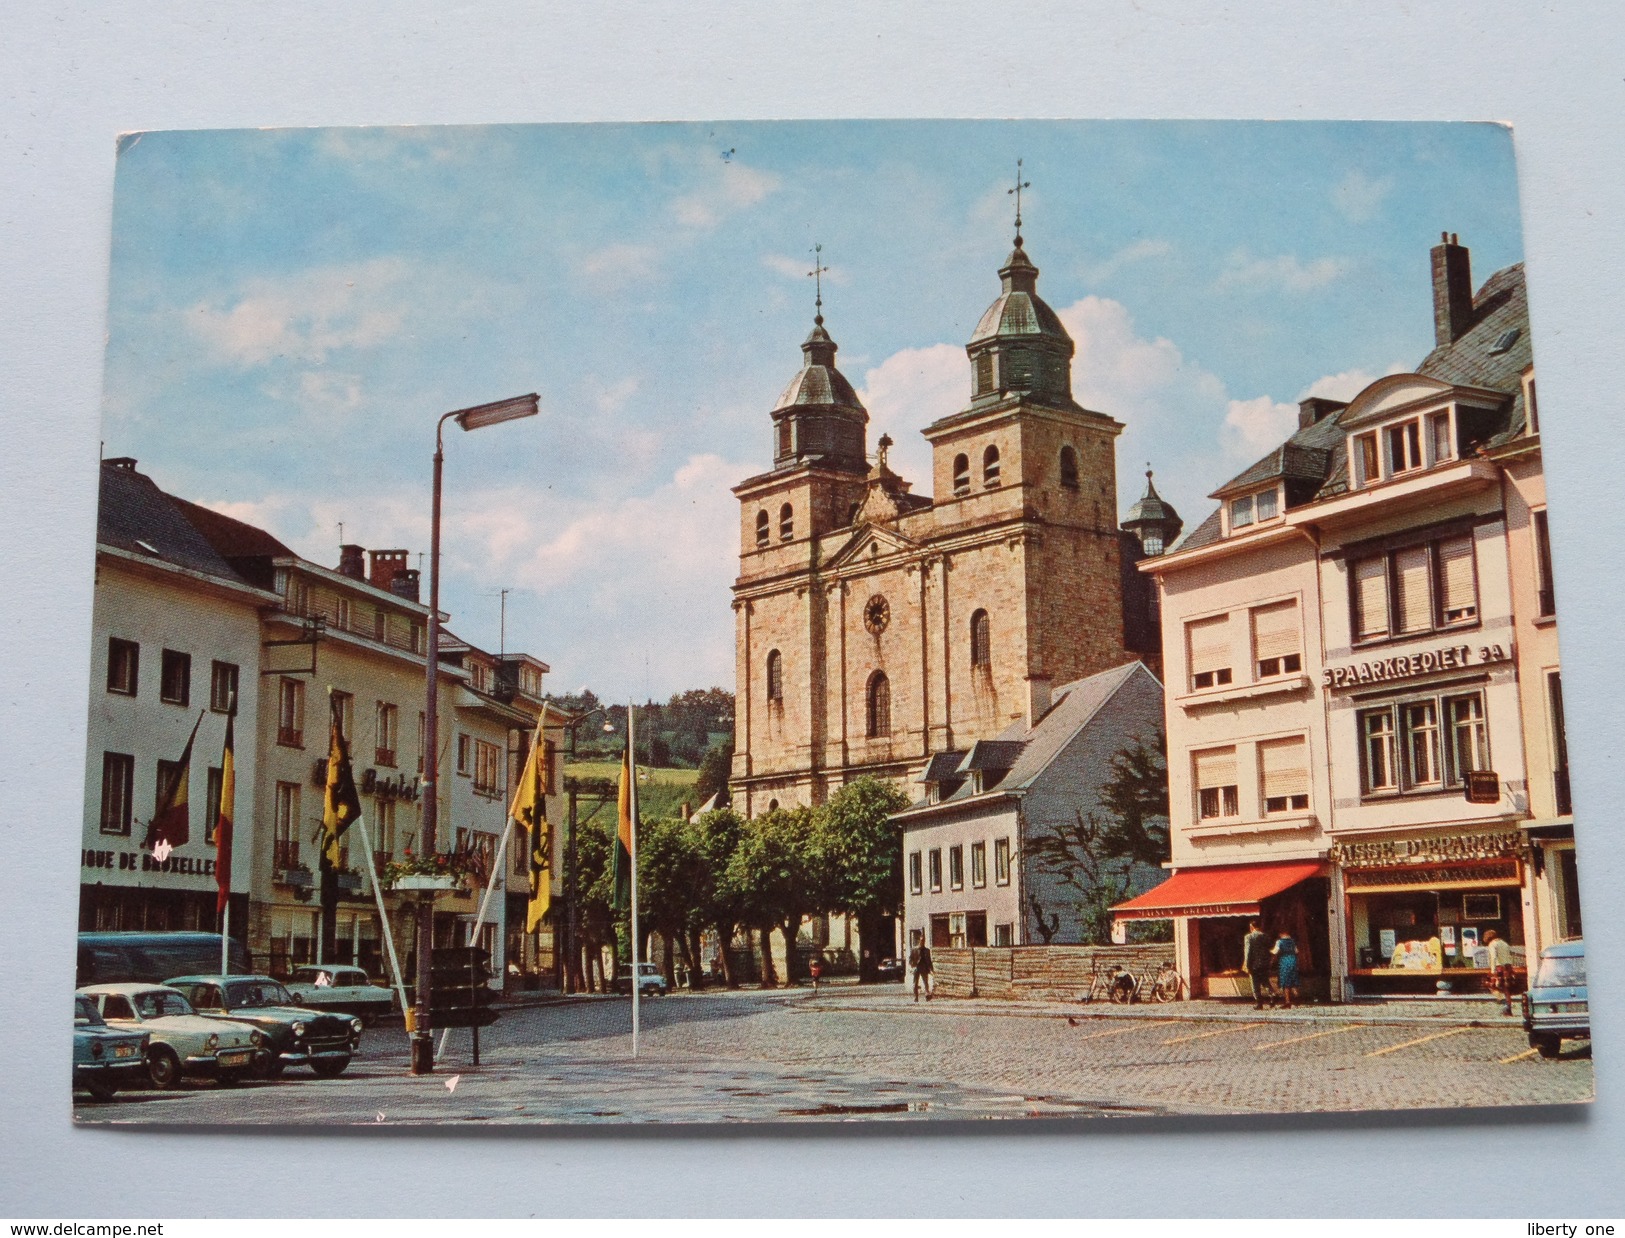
(876, 614)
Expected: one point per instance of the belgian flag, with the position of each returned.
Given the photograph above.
(341, 805)
(625, 806)
(223, 822)
(530, 812)
(172, 823)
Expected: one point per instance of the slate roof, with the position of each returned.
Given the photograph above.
(1319, 452)
(818, 383)
(1072, 708)
(1019, 310)
(133, 514)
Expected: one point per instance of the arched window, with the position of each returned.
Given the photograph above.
(772, 805)
(961, 474)
(1069, 468)
(990, 467)
(878, 716)
(981, 640)
(775, 676)
(761, 529)
(787, 523)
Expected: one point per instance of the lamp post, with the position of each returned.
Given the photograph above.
(476, 418)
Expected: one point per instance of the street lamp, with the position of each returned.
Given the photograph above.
(476, 418)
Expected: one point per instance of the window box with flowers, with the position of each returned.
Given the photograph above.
(441, 871)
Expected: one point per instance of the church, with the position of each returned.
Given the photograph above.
(875, 626)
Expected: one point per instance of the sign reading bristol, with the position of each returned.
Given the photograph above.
(1409, 666)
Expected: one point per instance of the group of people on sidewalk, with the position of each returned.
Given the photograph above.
(1271, 965)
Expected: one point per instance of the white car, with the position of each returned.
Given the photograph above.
(328, 986)
(182, 1041)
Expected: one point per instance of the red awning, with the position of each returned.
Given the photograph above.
(1223, 890)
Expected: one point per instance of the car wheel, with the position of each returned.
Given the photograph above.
(330, 1068)
(164, 1069)
(1549, 1046)
(100, 1090)
(269, 1066)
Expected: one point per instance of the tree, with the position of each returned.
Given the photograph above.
(778, 872)
(718, 904)
(715, 769)
(864, 851)
(669, 866)
(1080, 856)
(1135, 798)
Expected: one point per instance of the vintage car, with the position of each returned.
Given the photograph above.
(294, 1035)
(1557, 1006)
(329, 986)
(105, 1059)
(182, 1041)
(650, 980)
(889, 971)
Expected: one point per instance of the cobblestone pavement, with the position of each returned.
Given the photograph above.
(870, 1053)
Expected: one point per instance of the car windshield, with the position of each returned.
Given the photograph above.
(85, 1010)
(258, 993)
(160, 1003)
(1561, 973)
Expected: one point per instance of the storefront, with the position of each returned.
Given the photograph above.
(1419, 909)
(1211, 908)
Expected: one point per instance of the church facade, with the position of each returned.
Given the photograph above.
(875, 626)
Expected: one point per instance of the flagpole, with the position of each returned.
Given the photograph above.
(383, 916)
(632, 770)
(479, 918)
(225, 939)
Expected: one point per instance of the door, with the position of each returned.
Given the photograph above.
(940, 933)
(976, 928)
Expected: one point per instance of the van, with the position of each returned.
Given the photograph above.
(151, 958)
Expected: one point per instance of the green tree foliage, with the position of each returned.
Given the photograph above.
(1135, 798)
(779, 872)
(716, 767)
(864, 851)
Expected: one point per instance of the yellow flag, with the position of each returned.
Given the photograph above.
(530, 812)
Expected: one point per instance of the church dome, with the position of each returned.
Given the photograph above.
(1019, 311)
(819, 383)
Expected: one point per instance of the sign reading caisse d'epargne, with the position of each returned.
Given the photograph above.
(1409, 666)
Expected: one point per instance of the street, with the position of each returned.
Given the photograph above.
(871, 1053)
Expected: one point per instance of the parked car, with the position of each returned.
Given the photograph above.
(294, 1035)
(182, 1041)
(889, 971)
(105, 1059)
(1555, 1007)
(116, 958)
(330, 987)
(650, 980)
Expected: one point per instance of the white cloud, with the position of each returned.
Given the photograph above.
(1140, 251)
(619, 263)
(307, 315)
(1348, 384)
(1254, 427)
(1358, 197)
(1284, 272)
(733, 188)
(323, 391)
(907, 392)
(612, 398)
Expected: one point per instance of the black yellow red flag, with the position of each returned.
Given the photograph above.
(341, 805)
(223, 820)
(172, 823)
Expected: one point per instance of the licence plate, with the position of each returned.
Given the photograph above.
(240, 1057)
(124, 1051)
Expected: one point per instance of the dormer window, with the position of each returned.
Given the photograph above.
(1404, 446)
(1439, 441)
(1254, 508)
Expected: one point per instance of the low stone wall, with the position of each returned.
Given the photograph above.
(1042, 973)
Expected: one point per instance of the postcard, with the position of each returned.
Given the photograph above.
(823, 621)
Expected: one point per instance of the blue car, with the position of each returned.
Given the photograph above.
(105, 1060)
(1556, 1008)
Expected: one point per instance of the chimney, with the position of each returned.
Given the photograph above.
(1037, 699)
(351, 562)
(1317, 408)
(385, 563)
(1452, 290)
(404, 584)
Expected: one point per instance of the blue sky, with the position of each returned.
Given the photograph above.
(291, 309)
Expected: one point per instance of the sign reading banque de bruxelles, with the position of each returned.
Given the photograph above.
(1409, 666)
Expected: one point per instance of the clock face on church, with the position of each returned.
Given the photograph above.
(876, 614)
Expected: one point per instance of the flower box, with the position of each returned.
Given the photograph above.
(427, 881)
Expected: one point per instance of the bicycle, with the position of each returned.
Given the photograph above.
(1169, 985)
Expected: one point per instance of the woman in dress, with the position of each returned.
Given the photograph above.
(1286, 968)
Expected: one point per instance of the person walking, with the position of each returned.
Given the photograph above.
(1501, 973)
(1258, 963)
(922, 971)
(1286, 967)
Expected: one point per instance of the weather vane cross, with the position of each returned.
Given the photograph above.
(818, 281)
(1019, 186)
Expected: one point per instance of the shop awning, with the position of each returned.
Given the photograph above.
(1223, 890)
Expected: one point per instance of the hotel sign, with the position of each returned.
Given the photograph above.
(1410, 666)
(1386, 854)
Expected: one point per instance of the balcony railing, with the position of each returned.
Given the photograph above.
(385, 756)
(285, 853)
(290, 737)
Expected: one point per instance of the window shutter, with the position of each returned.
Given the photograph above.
(1275, 630)
(1210, 644)
(1415, 600)
(1459, 598)
(1285, 768)
(1370, 598)
(1216, 768)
